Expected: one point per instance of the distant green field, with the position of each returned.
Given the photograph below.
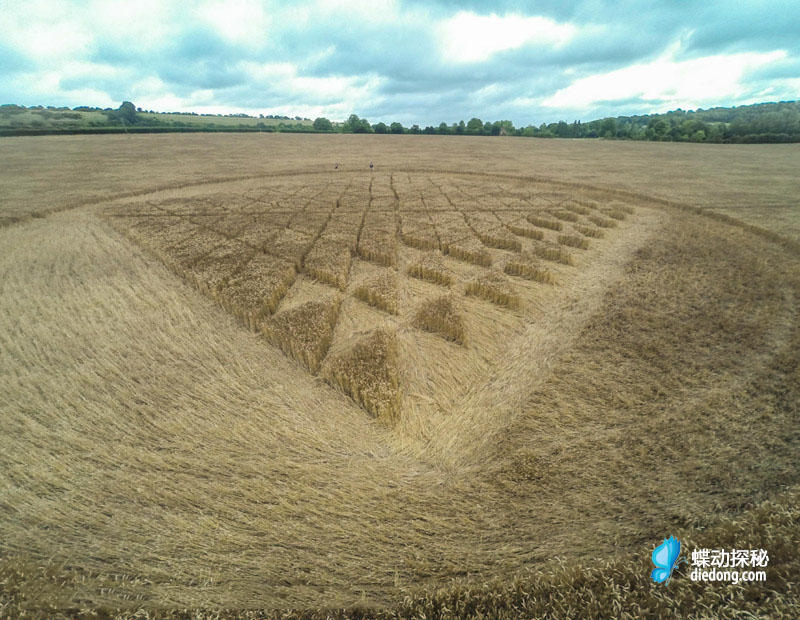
(12, 117)
(195, 119)
(20, 120)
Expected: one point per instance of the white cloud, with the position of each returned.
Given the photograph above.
(285, 77)
(43, 38)
(670, 83)
(467, 37)
(144, 24)
(239, 21)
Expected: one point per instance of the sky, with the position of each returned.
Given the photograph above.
(410, 61)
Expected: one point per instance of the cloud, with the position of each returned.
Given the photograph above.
(416, 61)
(666, 81)
(468, 37)
(12, 61)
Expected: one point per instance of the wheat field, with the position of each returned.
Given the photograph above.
(234, 378)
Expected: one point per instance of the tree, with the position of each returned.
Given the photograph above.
(127, 113)
(395, 128)
(357, 125)
(562, 130)
(443, 128)
(475, 125)
(380, 128)
(414, 129)
(323, 124)
(698, 136)
(352, 123)
(608, 129)
(503, 128)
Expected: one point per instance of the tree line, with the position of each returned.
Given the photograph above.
(762, 122)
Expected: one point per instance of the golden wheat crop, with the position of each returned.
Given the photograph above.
(431, 267)
(526, 231)
(468, 252)
(380, 291)
(328, 262)
(529, 271)
(441, 316)
(543, 222)
(304, 332)
(602, 222)
(574, 241)
(153, 452)
(495, 287)
(589, 231)
(553, 253)
(566, 216)
(368, 373)
(500, 239)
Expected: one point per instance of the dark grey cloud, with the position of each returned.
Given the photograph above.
(745, 26)
(781, 69)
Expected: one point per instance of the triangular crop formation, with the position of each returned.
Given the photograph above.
(384, 284)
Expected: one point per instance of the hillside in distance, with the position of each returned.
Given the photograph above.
(760, 122)
(757, 123)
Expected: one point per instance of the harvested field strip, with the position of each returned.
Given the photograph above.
(260, 235)
(422, 240)
(215, 268)
(300, 214)
(290, 245)
(368, 374)
(602, 222)
(304, 332)
(542, 222)
(574, 241)
(432, 269)
(495, 287)
(552, 253)
(617, 214)
(429, 212)
(619, 206)
(328, 262)
(589, 231)
(440, 316)
(364, 213)
(565, 216)
(468, 253)
(378, 247)
(500, 239)
(379, 291)
(257, 289)
(577, 208)
(584, 202)
(525, 231)
(529, 271)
